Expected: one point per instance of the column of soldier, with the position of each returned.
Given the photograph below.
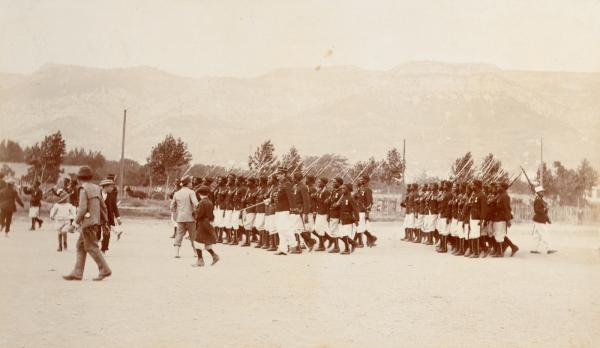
(287, 212)
(470, 217)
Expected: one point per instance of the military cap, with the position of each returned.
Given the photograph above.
(310, 179)
(339, 180)
(85, 173)
(298, 175)
(324, 180)
(185, 180)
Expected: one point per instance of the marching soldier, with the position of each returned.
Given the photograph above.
(466, 218)
(349, 216)
(445, 218)
(478, 211)
(259, 220)
(249, 215)
(312, 193)
(284, 202)
(367, 200)
(502, 221)
(323, 208)
(299, 214)
(334, 214)
(238, 204)
(228, 215)
(409, 217)
(220, 194)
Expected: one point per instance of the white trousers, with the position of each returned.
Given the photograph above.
(282, 225)
(540, 235)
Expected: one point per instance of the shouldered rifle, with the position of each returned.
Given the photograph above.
(528, 181)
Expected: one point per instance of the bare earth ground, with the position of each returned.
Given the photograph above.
(397, 294)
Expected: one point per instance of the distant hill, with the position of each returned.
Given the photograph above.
(441, 109)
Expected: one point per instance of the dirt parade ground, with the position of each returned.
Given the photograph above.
(395, 295)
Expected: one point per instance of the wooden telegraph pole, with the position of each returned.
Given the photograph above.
(541, 161)
(122, 164)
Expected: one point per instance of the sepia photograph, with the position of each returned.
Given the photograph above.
(286, 173)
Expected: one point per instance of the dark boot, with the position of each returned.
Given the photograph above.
(336, 246)
(443, 248)
(273, 239)
(359, 240)
(429, 238)
(255, 235)
(261, 240)
(174, 232)
(461, 247)
(513, 247)
(64, 238)
(371, 239)
(267, 242)
(499, 250)
(321, 246)
(32, 225)
(468, 248)
(346, 251)
(248, 238)
(419, 236)
(59, 242)
(475, 246)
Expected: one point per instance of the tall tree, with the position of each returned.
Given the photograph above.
(263, 161)
(11, 151)
(463, 168)
(549, 181)
(79, 156)
(167, 158)
(587, 177)
(45, 158)
(393, 167)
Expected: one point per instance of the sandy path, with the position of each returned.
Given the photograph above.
(397, 294)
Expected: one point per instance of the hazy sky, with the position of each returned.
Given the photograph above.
(248, 38)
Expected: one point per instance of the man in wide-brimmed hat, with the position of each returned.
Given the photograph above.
(91, 214)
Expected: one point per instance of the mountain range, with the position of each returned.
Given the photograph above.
(442, 110)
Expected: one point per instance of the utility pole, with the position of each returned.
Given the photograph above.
(403, 162)
(541, 161)
(122, 170)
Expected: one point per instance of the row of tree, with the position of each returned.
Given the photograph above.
(170, 159)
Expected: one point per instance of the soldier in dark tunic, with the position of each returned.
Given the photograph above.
(204, 230)
(321, 223)
(348, 217)
(502, 221)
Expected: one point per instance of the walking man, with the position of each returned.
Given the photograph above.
(540, 219)
(91, 214)
(183, 204)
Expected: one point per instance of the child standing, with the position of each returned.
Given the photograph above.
(63, 212)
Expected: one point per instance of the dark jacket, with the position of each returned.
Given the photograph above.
(250, 199)
(283, 196)
(261, 195)
(204, 216)
(9, 198)
(112, 210)
(334, 210)
(238, 199)
(323, 201)
(301, 198)
(503, 211)
(444, 206)
(348, 210)
(478, 206)
(540, 210)
(36, 196)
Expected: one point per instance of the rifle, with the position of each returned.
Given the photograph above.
(528, 181)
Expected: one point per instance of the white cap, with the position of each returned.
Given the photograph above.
(539, 189)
